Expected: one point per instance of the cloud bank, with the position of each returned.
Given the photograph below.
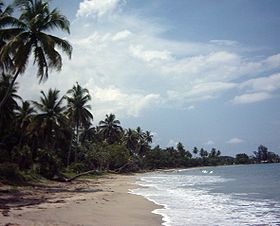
(131, 69)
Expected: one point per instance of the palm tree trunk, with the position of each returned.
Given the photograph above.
(70, 148)
(3, 101)
(77, 140)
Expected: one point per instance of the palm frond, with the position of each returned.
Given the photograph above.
(55, 20)
(63, 45)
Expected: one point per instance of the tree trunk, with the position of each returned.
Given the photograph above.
(3, 101)
(77, 140)
(70, 148)
(81, 174)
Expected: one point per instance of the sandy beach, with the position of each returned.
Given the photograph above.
(103, 201)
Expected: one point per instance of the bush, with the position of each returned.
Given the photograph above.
(78, 167)
(9, 172)
(4, 155)
(48, 163)
(22, 156)
(119, 155)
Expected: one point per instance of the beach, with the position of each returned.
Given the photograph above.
(102, 201)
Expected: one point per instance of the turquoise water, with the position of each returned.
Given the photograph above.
(224, 195)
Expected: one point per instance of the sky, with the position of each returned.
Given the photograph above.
(204, 73)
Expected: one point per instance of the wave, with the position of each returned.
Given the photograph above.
(190, 200)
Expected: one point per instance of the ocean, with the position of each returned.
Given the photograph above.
(223, 195)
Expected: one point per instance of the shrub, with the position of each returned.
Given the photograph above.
(4, 155)
(9, 172)
(78, 167)
(22, 156)
(48, 163)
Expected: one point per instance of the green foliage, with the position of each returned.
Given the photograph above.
(242, 158)
(22, 156)
(4, 155)
(118, 156)
(9, 172)
(78, 167)
(49, 164)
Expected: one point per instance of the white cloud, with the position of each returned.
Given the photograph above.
(131, 68)
(251, 98)
(113, 100)
(235, 140)
(209, 143)
(149, 55)
(267, 84)
(191, 107)
(172, 143)
(121, 35)
(200, 92)
(273, 61)
(97, 8)
(224, 42)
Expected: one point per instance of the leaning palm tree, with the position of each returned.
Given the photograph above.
(50, 120)
(27, 35)
(110, 128)
(78, 111)
(144, 141)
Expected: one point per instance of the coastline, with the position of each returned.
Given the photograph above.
(102, 201)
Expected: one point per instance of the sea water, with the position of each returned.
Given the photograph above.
(223, 195)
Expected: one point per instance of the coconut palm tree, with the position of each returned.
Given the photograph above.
(78, 107)
(50, 120)
(8, 113)
(5, 18)
(110, 128)
(78, 111)
(24, 116)
(145, 139)
(27, 35)
(148, 137)
(195, 151)
(130, 139)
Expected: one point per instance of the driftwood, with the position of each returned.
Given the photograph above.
(62, 178)
(81, 174)
(116, 171)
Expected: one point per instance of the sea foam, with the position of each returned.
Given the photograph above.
(190, 199)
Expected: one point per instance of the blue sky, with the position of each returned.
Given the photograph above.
(206, 73)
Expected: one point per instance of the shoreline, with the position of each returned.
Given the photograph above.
(104, 201)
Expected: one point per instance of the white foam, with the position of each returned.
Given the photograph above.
(187, 200)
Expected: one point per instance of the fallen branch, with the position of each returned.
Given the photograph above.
(62, 178)
(81, 174)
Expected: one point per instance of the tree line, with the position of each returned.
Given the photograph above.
(55, 133)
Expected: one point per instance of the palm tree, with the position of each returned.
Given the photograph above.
(148, 137)
(195, 151)
(89, 134)
(203, 153)
(139, 133)
(110, 128)
(24, 115)
(8, 112)
(78, 107)
(50, 119)
(5, 18)
(78, 111)
(27, 35)
(131, 140)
